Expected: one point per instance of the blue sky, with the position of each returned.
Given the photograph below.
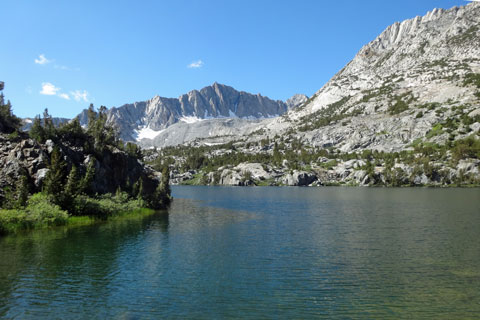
(62, 55)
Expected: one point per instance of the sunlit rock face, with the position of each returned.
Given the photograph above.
(147, 119)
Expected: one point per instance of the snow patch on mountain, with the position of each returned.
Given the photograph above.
(146, 133)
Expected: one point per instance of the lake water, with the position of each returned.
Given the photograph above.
(268, 252)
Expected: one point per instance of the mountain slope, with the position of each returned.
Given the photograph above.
(405, 111)
(427, 64)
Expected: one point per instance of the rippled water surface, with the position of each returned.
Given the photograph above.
(271, 252)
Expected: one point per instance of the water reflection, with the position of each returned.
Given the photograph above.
(48, 267)
(258, 253)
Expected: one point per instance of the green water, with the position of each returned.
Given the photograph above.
(255, 253)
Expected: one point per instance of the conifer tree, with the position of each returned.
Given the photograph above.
(138, 188)
(53, 183)
(22, 192)
(86, 182)
(72, 186)
(165, 182)
(8, 121)
(37, 132)
(48, 126)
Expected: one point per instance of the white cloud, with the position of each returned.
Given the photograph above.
(64, 96)
(42, 60)
(79, 95)
(49, 89)
(196, 64)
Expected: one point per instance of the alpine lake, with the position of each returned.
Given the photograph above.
(258, 253)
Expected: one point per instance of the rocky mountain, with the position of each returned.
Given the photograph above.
(216, 130)
(27, 122)
(296, 100)
(404, 111)
(415, 75)
(148, 119)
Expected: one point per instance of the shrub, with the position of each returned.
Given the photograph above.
(38, 212)
(436, 130)
(466, 148)
(106, 205)
(472, 79)
(398, 107)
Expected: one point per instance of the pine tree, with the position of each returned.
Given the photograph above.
(138, 188)
(37, 132)
(86, 182)
(72, 186)
(54, 180)
(161, 197)
(133, 150)
(165, 181)
(9, 123)
(48, 126)
(22, 192)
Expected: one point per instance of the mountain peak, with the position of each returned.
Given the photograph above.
(145, 119)
(296, 100)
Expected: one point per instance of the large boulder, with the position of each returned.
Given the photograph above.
(299, 178)
(256, 170)
(230, 178)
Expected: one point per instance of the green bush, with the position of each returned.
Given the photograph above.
(38, 212)
(436, 130)
(472, 79)
(466, 148)
(398, 107)
(105, 206)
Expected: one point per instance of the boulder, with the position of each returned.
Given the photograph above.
(421, 179)
(359, 177)
(299, 178)
(468, 166)
(231, 178)
(256, 170)
(40, 176)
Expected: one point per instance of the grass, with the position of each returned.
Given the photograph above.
(40, 212)
(265, 183)
(195, 181)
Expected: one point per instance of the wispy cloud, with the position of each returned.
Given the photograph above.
(196, 64)
(79, 95)
(64, 96)
(42, 60)
(60, 67)
(49, 89)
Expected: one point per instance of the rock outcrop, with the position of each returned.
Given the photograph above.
(413, 76)
(113, 167)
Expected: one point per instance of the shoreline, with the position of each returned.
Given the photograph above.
(76, 222)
